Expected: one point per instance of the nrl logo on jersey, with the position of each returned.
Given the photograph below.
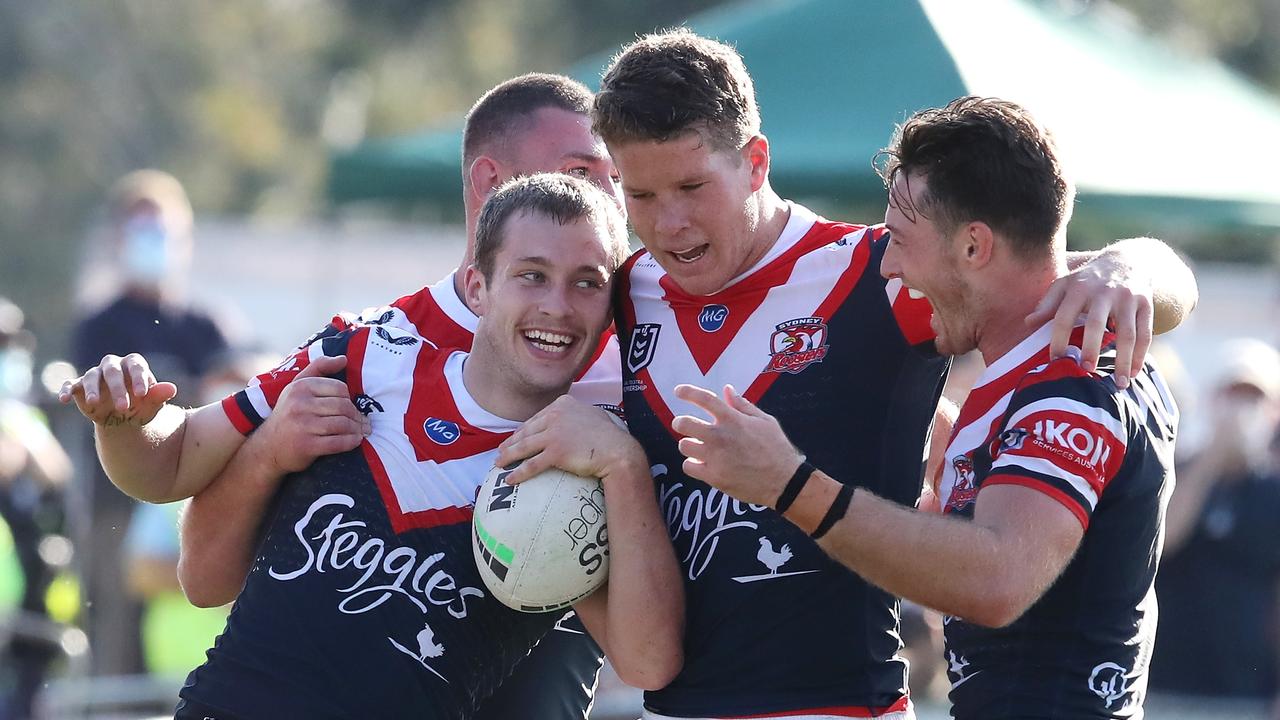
(797, 344)
(1012, 439)
(644, 340)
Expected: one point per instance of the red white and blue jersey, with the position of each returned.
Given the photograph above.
(1106, 455)
(434, 313)
(558, 680)
(817, 338)
(364, 599)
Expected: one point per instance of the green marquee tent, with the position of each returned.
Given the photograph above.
(1147, 131)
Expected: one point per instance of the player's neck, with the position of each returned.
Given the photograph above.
(468, 256)
(496, 389)
(774, 215)
(1006, 307)
(149, 294)
(459, 280)
(771, 216)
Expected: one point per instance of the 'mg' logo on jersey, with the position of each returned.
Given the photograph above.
(712, 317)
(441, 432)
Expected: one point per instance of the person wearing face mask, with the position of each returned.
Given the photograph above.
(1219, 582)
(34, 469)
(150, 232)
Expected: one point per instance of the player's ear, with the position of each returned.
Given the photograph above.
(483, 176)
(474, 289)
(978, 243)
(756, 155)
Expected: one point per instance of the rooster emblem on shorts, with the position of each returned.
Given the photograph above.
(773, 559)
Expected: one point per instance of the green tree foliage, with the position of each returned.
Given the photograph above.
(241, 99)
(1245, 34)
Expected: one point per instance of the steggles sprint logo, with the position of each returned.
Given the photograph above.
(342, 547)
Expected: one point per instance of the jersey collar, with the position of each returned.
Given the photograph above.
(472, 414)
(447, 298)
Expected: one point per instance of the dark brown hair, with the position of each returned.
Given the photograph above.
(986, 160)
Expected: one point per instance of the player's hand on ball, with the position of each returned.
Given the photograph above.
(573, 436)
(742, 450)
(314, 417)
(118, 391)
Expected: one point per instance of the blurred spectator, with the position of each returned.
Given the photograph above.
(1220, 575)
(175, 634)
(33, 471)
(151, 237)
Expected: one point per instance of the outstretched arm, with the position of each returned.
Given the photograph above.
(638, 617)
(220, 527)
(1137, 285)
(151, 450)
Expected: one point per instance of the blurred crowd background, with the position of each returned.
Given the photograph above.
(300, 140)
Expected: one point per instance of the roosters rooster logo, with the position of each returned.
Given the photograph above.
(797, 344)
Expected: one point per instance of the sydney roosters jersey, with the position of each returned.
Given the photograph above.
(364, 599)
(817, 338)
(1106, 455)
(434, 313)
(559, 678)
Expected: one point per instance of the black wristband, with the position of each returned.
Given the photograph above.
(839, 507)
(794, 486)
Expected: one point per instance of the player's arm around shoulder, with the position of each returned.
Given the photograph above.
(220, 528)
(638, 616)
(1134, 286)
(150, 449)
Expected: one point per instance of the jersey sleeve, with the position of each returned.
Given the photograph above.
(250, 407)
(1063, 436)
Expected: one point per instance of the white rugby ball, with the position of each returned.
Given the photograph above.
(541, 545)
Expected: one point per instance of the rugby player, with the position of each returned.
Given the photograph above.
(1056, 477)
(364, 600)
(532, 123)
(738, 286)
